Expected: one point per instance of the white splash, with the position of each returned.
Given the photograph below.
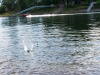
(49, 15)
(28, 46)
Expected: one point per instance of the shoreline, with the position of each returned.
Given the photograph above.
(63, 11)
(56, 11)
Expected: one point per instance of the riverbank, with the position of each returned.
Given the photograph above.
(55, 11)
(79, 9)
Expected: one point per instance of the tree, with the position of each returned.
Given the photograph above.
(2, 9)
(10, 4)
(46, 2)
(22, 4)
(98, 1)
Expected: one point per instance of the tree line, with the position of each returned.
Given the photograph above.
(12, 5)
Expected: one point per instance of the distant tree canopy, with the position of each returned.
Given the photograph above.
(98, 1)
(23, 4)
(10, 4)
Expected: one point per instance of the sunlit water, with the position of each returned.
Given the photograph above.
(62, 45)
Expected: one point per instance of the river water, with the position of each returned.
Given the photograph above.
(62, 45)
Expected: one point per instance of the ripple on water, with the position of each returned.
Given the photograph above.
(67, 45)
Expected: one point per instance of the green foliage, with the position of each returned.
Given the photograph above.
(98, 1)
(49, 2)
(55, 1)
(97, 5)
(22, 4)
(2, 9)
(46, 2)
(10, 4)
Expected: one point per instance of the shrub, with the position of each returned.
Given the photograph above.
(2, 9)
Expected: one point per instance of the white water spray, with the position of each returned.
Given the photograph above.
(28, 46)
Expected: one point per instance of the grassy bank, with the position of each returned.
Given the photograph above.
(6, 14)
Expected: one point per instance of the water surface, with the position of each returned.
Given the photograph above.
(63, 45)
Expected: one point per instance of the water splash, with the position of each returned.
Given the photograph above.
(28, 46)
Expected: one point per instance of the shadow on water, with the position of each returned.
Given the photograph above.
(10, 21)
(66, 25)
(94, 20)
(74, 22)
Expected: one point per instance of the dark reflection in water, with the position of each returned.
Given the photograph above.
(73, 22)
(62, 45)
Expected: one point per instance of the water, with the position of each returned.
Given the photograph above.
(62, 45)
